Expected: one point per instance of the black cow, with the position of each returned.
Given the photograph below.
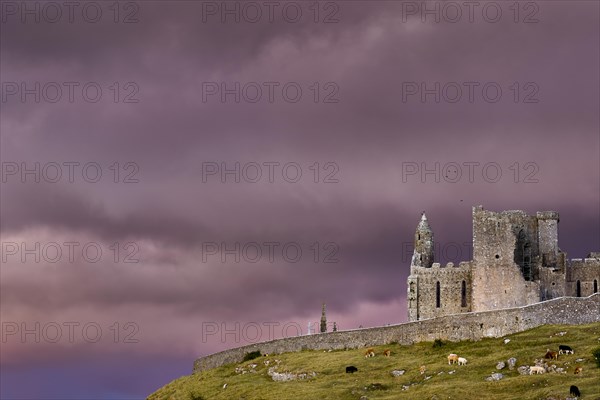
(574, 391)
(351, 369)
(563, 349)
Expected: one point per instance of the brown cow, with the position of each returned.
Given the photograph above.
(552, 355)
(452, 359)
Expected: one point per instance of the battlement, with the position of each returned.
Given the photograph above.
(547, 215)
(591, 261)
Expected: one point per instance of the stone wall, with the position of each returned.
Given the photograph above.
(501, 286)
(585, 271)
(466, 326)
(450, 278)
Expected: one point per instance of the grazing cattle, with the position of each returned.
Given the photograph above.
(452, 359)
(552, 355)
(536, 370)
(387, 353)
(578, 370)
(574, 391)
(563, 349)
(422, 369)
(369, 353)
(351, 369)
(462, 361)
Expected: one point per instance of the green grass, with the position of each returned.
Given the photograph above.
(374, 380)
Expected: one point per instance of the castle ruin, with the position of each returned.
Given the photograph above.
(516, 262)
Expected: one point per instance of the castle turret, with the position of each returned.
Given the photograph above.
(423, 253)
(548, 237)
(422, 257)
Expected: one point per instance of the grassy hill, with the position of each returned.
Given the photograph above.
(374, 379)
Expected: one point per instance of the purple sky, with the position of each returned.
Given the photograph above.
(375, 119)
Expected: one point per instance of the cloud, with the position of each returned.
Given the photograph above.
(358, 197)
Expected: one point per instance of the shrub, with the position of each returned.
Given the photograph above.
(437, 343)
(252, 355)
(596, 354)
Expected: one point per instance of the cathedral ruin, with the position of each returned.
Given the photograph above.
(516, 262)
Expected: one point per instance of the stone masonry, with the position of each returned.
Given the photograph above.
(464, 326)
(516, 262)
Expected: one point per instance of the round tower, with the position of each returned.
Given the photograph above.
(423, 254)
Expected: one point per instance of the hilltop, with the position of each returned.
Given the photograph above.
(250, 379)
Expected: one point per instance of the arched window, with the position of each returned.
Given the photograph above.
(438, 302)
(578, 288)
(463, 294)
(595, 286)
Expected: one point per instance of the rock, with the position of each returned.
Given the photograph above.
(451, 372)
(404, 387)
(579, 360)
(511, 363)
(225, 386)
(364, 398)
(523, 370)
(500, 365)
(560, 371)
(496, 376)
(288, 376)
(397, 372)
(506, 341)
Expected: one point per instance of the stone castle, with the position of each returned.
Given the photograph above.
(516, 262)
(516, 266)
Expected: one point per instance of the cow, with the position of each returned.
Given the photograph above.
(578, 370)
(552, 355)
(422, 369)
(574, 391)
(536, 370)
(387, 352)
(452, 359)
(369, 353)
(563, 349)
(462, 361)
(351, 369)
